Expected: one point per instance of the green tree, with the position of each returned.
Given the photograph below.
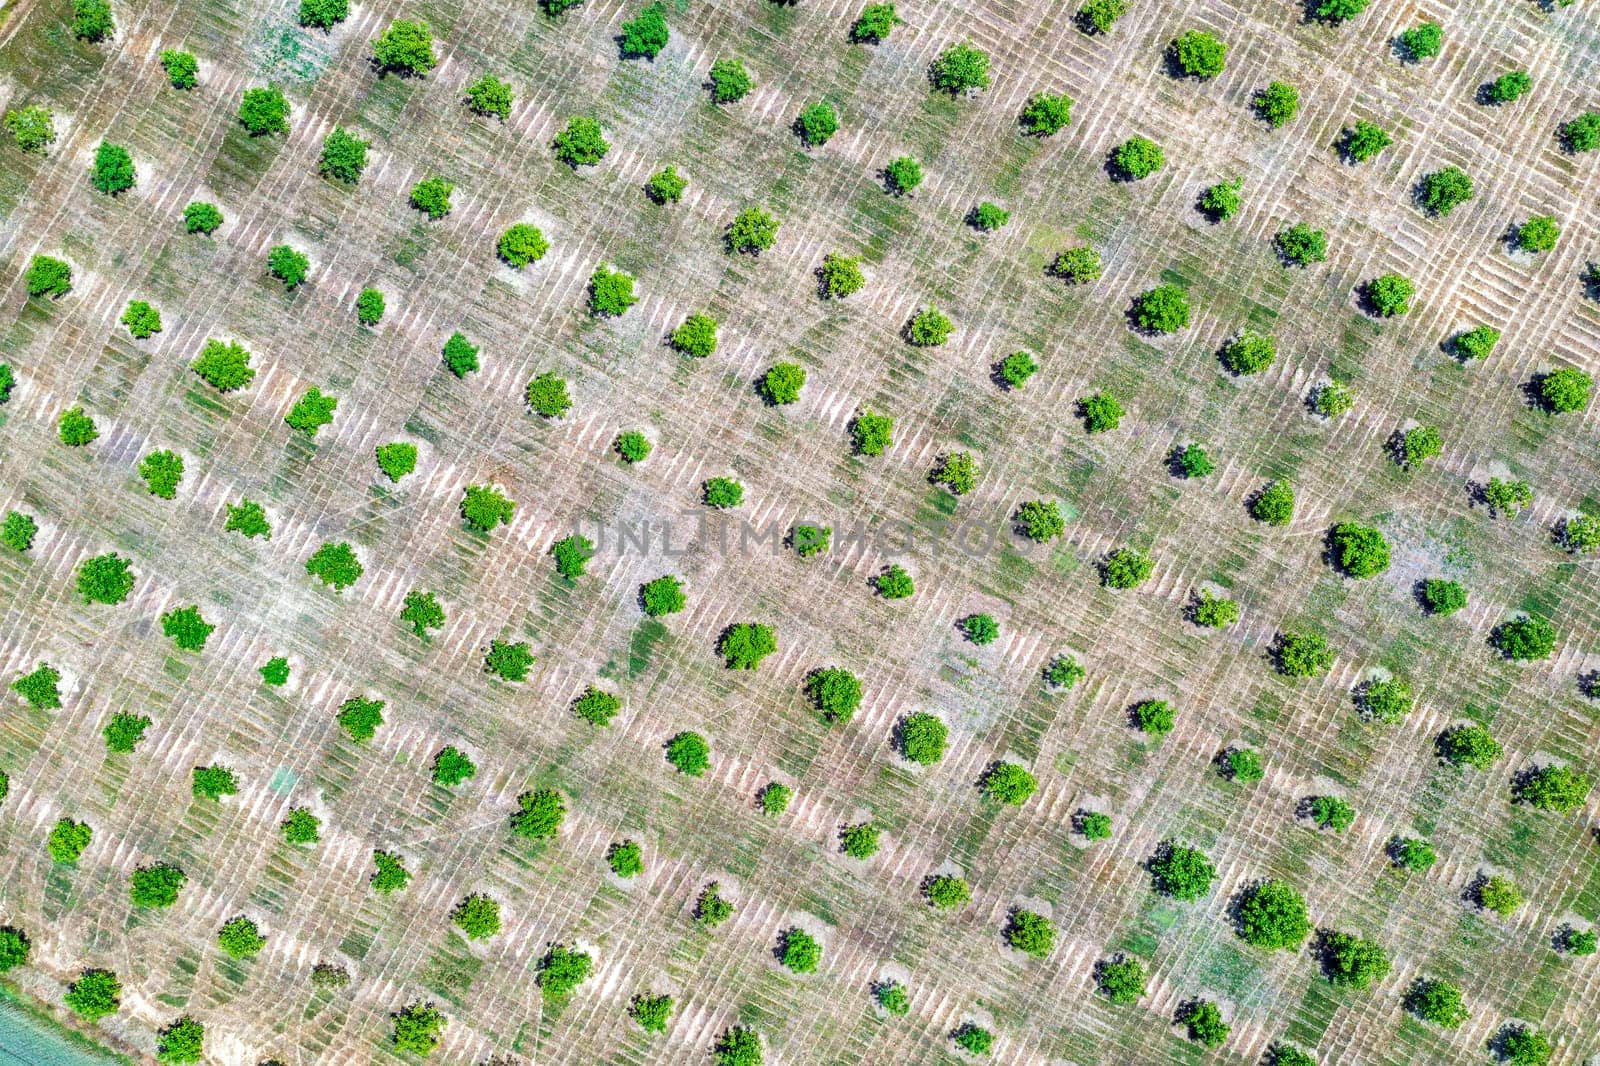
(1468, 745)
(1046, 114)
(1271, 915)
(47, 276)
(650, 1012)
(547, 395)
(431, 196)
(142, 320)
(572, 554)
(696, 335)
(981, 629)
(1214, 612)
(123, 731)
(1507, 87)
(249, 518)
(40, 687)
(563, 969)
(1120, 979)
(737, 1046)
(1339, 10)
(892, 997)
(1302, 654)
(1203, 1020)
(722, 493)
(666, 186)
(422, 612)
(1030, 933)
(264, 110)
(67, 841)
(477, 915)
(452, 766)
(1008, 783)
(1155, 717)
(91, 20)
(1580, 534)
(1420, 42)
(521, 244)
(1180, 872)
(14, 948)
(817, 123)
(288, 265)
(775, 798)
(710, 908)
(1552, 788)
(344, 156)
(405, 48)
(989, 217)
(1524, 638)
(94, 995)
(730, 81)
(1359, 551)
(929, 328)
(112, 172)
(76, 429)
(508, 660)
(241, 938)
(1163, 309)
(396, 459)
(32, 127)
(1192, 461)
(1410, 853)
(390, 874)
(1442, 191)
(1506, 497)
(610, 292)
(581, 144)
(1241, 765)
(225, 366)
(490, 96)
(1039, 520)
(835, 692)
(1063, 672)
(902, 175)
(1222, 201)
(1330, 812)
(1363, 141)
(744, 644)
(417, 1027)
(1581, 134)
(957, 472)
(1077, 266)
(1126, 568)
(213, 782)
(1300, 245)
(1520, 1045)
(335, 565)
(18, 531)
(360, 718)
(1098, 16)
(104, 579)
(485, 507)
(539, 814)
(186, 628)
(1016, 368)
(1092, 825)
(1274, 504)
(1277, 104)
(1417, 445)
(1137, 158)
(323, 14)
(894, 583)
(645, 36)
(632, 446)
(1497, 894)
(1476, 343)
(922, 737)
(276, 672)
(1565, 390)
(1437, 1001)
(161, 472)
(460, 355)
(1101, 412)
(1538, 234)
(157, 885)
(1575, 942)
(1388, 700)
(959, 70)
(946, 892)
(752, 231)
(871, 433)
(874, 24)
(840, 276)
(1199, 54)
(689, 753)
(799, 950)
(662, 596)
(8, 381)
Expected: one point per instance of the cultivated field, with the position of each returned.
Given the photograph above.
(705, 419)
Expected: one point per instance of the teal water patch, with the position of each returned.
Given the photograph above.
(283, 781)
(25, 1041)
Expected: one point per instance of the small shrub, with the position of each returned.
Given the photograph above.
(335, 565)
(1277, 104)
(1468, 745)
(1101, 412)
(47, 276)
(1565, 390)
(1222, 201)
(1137, 158)
(922, 738)
(1301, 245)
(508, 660)
(452, 766)
(422, 612)
(1538, 234)
(360, 718)
(344, 156)
(689, 753)
(946, 892)
(1387, 701)
(1126, 568)
(225, 366)
(572, 554)
(405, 48)
(752, 231)
(859, 841)
(431, 196)
(1030, 933)
(894, 583)
(903, 175)
(1163, 309)
(18, 530)
(874, 24)
(662, 596)
(1155, 717)
(1364, 141)
(1416, 446)
(312, 411)
(288, 265)
(1039, 520)
(1016, 368)
(989, 217)
(1302, 654)
(67, 841)
(185, 628)
(539, 814)
(1199, 54)
(956, 471)
(1476, 343)
(240, 938)
(649, 1012)
(477, 915)
(981, 629)
(32, 128)
(582, 143)
(112, 172)
(775, 799)
(1046, 114)
(871, 433)
(840, 276)
(156, 886)
(959, 70)
(249, 518)
(1508, 86)
(1120, 979)
(730, 81)
(1077, 266)
(1063, 672)
(264, 110)
(1203, 1021)
(666, 186)
(1249, 353)
(490, 96)
(1215, 612)
(1526, 638)
(161, 472)
(1330, 812)
(1008, 783)
(396, 459)
(104, 579)
(1359, 551)
(547, 395)
(817, 123)
(647, 34)
(610, 292)
(275, 672)
(1421, 42)
(1409, 853)
(1442, 191)
(1092, 825)
(744, 644)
